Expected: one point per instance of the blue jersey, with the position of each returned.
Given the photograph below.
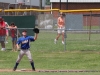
(24, 41)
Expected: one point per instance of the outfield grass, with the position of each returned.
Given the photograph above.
(81, 54)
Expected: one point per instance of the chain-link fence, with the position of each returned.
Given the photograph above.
(82, 30)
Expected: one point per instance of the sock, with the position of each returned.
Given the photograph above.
(32, 64)
(16, 65)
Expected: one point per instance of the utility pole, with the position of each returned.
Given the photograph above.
(60, 4)
(40, 4)
(67, 5)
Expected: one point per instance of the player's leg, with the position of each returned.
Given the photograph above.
(58, 35)
(14, 43)
(63, 32)
(18, 59)
(7, 35)
(28, 53)
(2, 41)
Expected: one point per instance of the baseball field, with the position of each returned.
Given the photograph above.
(81, 57)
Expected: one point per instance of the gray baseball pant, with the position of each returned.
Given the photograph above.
(22, 53)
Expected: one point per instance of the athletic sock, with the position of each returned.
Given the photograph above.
(16, 65)
(32, 64)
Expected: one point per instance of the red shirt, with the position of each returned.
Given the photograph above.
(2, 28)
(13, 32)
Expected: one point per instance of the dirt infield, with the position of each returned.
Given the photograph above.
(27, 70)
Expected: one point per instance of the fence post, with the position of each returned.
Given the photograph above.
(65, 36)
(17, 34)
(90, 25)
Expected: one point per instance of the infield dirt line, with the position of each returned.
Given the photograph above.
(27, 70)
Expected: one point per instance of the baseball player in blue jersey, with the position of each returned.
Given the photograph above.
(25, 48)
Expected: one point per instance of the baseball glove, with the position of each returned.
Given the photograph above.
(36, 30)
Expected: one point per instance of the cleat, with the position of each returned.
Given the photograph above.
(3, 49)
(55, 41)
(6, 42)
(63, 42)
(14, 69)
(33, 69)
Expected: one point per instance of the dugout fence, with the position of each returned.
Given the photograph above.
(89, 32)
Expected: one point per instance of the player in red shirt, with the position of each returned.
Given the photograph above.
(2, 33)
(13, 31)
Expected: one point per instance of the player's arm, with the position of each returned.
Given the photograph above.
(36, 35)
(18, 47)
(10, 27)
(7, 25)
(15, 27)
(17, 44)
(34, 38)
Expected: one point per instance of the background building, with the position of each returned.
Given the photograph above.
(75, 4)
(26, 4)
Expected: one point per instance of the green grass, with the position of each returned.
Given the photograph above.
(92, 27)
(80, 54)
(16, 73)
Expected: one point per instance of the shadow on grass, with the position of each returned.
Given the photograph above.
(9, 49)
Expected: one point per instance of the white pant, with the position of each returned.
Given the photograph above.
(61, 30)
(22, 53)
